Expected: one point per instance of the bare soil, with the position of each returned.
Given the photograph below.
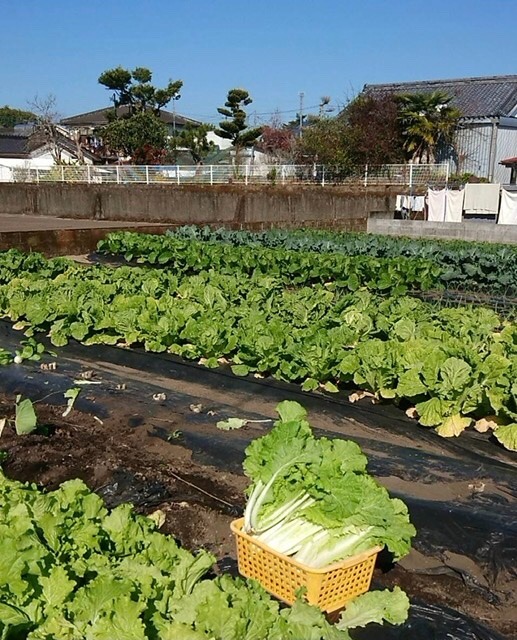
(126, 463)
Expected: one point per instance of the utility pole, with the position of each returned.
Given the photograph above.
(174, 114)
(302, 95)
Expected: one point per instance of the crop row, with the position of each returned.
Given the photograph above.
(71, 569)
(455, 365)
(469, 266)
(395, 275)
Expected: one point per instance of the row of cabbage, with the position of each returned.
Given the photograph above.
(472, 266)
(455, 366)
(396, 275)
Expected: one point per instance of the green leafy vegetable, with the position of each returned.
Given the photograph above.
(70, 396)
(291, 317)
(375, 606)
(236, 423)
(312, 497)
(71, 569)
(25, 420)
(231, 423)
(507, 436)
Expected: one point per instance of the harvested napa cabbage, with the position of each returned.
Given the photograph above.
(313, 499)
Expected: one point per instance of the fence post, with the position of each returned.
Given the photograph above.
(323, 175)
(447, 168)
(283, 174)
(246, 169)
(118, 174)
(37, 175)
(89, 173)
(146, 174)
(365, 175)
(62, 173)
(177, 174)
(211, 174)
(410, 176)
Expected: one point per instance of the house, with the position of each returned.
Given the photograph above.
(487, 131)
(87, 123)
(24, 148)
(86, 126)
(511, 163)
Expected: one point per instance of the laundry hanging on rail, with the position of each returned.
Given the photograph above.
(454, 205)
(482, 198)
(445, 205)
(508, 208)
(418, 203)
(409, 203)
(436, 205)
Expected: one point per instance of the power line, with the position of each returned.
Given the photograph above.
(264, 113)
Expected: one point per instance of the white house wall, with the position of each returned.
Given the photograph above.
(222, 143)
(39, 161)
(5, 173)
(6, 164)
(44, 161)
(25, 163)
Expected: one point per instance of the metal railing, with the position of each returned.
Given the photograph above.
(408, 174)
(404, 175)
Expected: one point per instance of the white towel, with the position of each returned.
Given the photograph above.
(481, 198)
(398, 203)
(418, 203)
(436, 205)
(454, 206)
(508, 210)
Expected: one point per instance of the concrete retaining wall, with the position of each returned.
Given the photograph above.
(471, 230)
(229, 205)
(62, 242)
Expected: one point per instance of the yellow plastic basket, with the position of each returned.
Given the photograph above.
(329, 588)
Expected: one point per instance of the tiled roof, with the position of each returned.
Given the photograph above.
(13, 144)
(474, 97)
(99, 118)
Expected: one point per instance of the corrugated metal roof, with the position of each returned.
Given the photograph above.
(474, 97)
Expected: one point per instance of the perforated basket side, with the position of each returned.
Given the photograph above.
(339, 586)
(275, 574)
(329, 588)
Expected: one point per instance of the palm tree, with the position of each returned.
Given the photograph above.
(428, 122)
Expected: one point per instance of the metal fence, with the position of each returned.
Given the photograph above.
(404, 175)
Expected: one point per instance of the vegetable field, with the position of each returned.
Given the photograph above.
(170, 356)
(328, 322)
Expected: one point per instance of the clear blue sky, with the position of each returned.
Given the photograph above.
(273, 48)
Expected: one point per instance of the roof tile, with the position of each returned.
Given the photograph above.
(99, 118)
(474, 97)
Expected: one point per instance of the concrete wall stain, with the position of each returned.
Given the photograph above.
(227, 205)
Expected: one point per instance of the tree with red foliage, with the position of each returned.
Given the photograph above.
(278, 142)
(148, 154)
(374, 131)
